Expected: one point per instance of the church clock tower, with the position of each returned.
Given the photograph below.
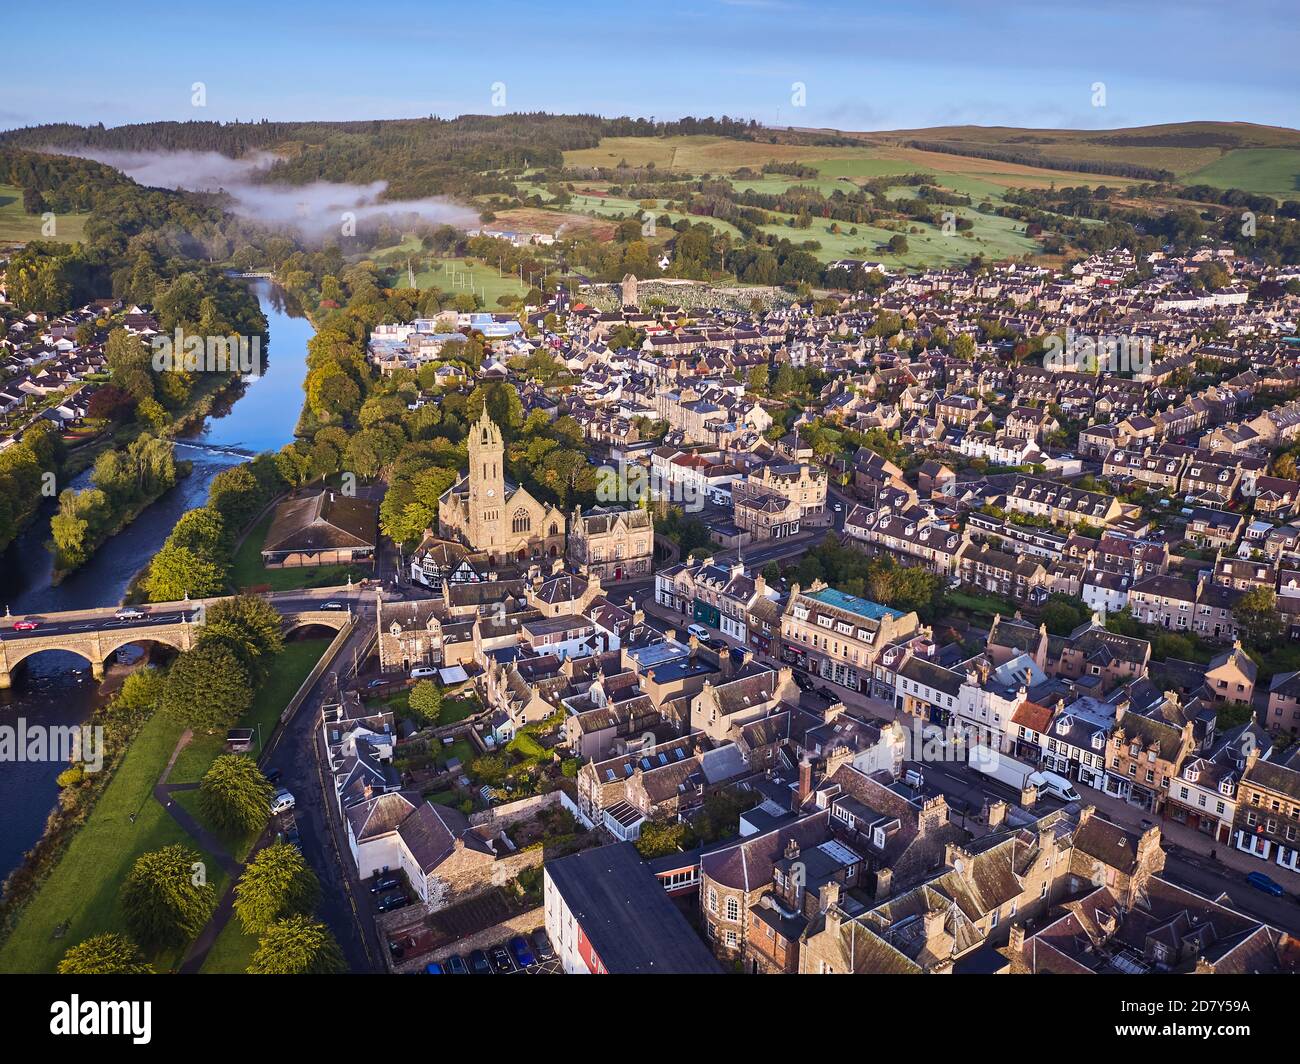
(487, 485)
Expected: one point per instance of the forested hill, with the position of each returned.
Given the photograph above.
(417, 157)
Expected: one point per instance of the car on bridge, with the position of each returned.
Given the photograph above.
(27, 626)
(128, 613)
(333, 606)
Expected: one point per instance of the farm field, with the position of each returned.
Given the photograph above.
(699, 154)
(17, 226)
(1267, 171)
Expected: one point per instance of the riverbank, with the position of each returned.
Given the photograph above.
(58, 575)
(74, 892)
(54, 687)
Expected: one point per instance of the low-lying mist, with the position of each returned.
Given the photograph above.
(318, 211)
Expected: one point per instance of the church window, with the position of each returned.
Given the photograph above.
(522, 522)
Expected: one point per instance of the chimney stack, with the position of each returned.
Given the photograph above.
(805, 782)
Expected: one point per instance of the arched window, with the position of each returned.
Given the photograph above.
(522, 522)
(555, 529)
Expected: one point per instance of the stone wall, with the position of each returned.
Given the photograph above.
(501, 816)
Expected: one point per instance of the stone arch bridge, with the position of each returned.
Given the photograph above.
(96, 635)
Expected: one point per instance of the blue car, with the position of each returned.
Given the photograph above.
(1260, 881)
(523, 955)
(433, 968)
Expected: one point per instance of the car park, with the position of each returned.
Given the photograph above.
(502, 962)
(282, 802)
(1266, 883)
(479, 963)
(523, 955)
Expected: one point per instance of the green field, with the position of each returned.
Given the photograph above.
(82, 890)
(454, 274)
(1267, 171)
(17, 226)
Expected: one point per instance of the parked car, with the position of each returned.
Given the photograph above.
(389, 902)
(282, 802)
(839, 509)
(421, 672)
(523, 955)
(272, 776)
(826, 693)
(542, 944)
(717, 643)
(479, 963)
(1266, 883)
(294, 837)
(27, 626)
(434, 968)
(456, 965)
(383, 883)
(502, 962)
(699, 631)
(803, 681)
(377, 683)
(128, 613)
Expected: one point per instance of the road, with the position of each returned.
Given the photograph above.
(295, 752)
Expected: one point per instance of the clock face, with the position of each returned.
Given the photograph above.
(491, 492)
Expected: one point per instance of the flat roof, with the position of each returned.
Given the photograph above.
(632, 924)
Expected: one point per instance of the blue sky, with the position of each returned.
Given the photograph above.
(864, 65)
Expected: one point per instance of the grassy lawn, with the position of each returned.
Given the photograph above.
(84, 887)
(453, 709)
(231, 953)
(985, 605)
(16, 225)
(248, 570)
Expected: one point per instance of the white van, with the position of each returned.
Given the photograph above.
(1058, 787)
(698, 630)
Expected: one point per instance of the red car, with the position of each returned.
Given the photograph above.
(27, 626)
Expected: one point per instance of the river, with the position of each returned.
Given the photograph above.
(54, 688)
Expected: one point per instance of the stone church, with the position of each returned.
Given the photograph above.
(493, 516)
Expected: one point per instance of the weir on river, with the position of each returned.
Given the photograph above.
(54, 688)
